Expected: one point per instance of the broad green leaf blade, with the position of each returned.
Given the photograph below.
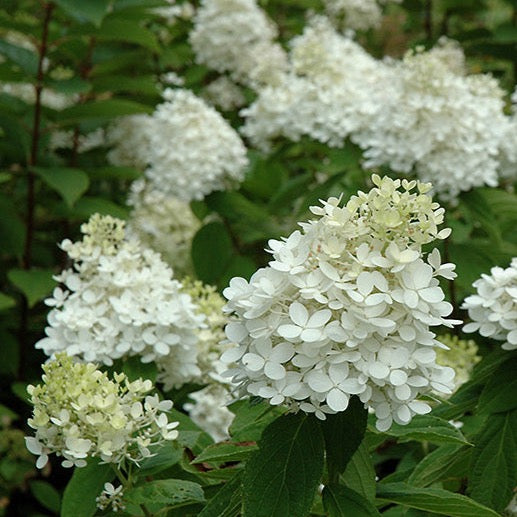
(211, 252)
(227, 501)
(12, 229)
(224, 452)
(173, 493)
(341, 501)
(427, 428)
(70, 183)
(499, 392)
(26, 59)
(46, 495)
(447, 461)
(190, 435)
(251, 419)
(281, 478)
(359, 474)
(135, 369)
(86, 11)
(166, 456)
(343, 433)
(35, 284)
(88, 205)
(101, 111)
(128, 31)
(494, 461)
(6, 302)
(434, 500)
(80, 493)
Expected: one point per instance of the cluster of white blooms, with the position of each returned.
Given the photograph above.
(493, 310)
(461, 356)
(111, 496)
(174, 11)
(224, 93)
(442, 124)
(79, 412)
(345, 308)
(209, 347)
(236, 36)
(356, 14)
(119, 300)
(508, 156)
(163, 223)
(186, 147)
(208, 410)
(333, 87)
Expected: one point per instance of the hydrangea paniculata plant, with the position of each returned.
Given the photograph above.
(346, 308)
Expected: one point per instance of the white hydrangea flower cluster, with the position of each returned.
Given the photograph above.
(209, 304)
(208, 410)
(461, 356)
(80, 413)
(508, 156)
(444, 125)
(356, 14)
(333, 87)
(345, 308)
(224, 94)
(119, 300)
(163, 223)
(493, 309)
(111, 496)
(186, 147)
(237, 37)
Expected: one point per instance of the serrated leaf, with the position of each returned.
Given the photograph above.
(444, 462)
(227, 501)
(6, 302)
(494, 461)
(499, 392)
(35, 284)
(26, 59)
(282, 476)
(70, 183)
(224, 452)
(173, 493)
(82, 489)
(128, 31)
(341, 501)
(211, 252)
(434, 500)
(343, 434)
(359, 474)
(46, 495)
(250, 420)
(429, 429)
(101, 111)
(91, 11)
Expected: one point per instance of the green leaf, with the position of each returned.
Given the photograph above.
(359, 474)
(282, 476)
(26, 59)
(494, 461)
(343, 434)
(91, 11)
(341, 501)
(499, 392)
(87, 205)
(71, 184)
(239, 265)
(84, 486)
(171, 492)
(35, 284)
(12, 229)
(6, 302)
(141, 84)
(46, 495)
(227, 501)
(224, 452)
(135, 369)
(447, 461)
(427, 428)
(101, 111)
(434, 500)
(128, 31)
(115, 173)
(163, 458)
(211, 252)
(250, 420)
(190, 435)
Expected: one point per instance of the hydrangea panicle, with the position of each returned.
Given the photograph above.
(345, 308)
(79, 412)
